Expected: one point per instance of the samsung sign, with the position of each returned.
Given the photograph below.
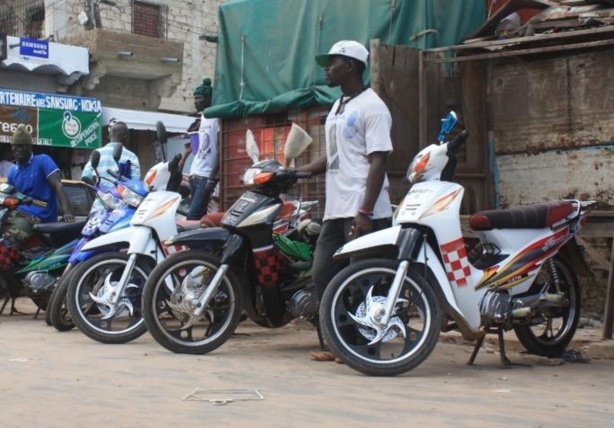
(34, 47)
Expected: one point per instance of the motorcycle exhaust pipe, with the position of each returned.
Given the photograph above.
(547, 300)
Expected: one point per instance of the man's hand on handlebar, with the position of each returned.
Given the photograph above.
(68, 217)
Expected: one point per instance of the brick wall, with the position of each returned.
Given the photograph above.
(186, 21)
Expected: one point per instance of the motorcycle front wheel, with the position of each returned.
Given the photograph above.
(168, 303)
(349, 309)
(92, 283)
(553, 328)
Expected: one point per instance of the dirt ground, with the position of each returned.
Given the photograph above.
(53, 379)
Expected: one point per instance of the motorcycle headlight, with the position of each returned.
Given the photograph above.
(130, 197)
(111, 201)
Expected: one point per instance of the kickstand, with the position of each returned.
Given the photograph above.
(476, 349)
(14, 309)
(38, 310)
(505, 362)
(6, 300)
(323, 347)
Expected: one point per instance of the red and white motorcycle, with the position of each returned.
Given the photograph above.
(382, 317)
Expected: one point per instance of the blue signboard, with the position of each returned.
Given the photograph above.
(33, 47)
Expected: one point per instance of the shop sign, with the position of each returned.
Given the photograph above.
(52, 119)
(34, 47)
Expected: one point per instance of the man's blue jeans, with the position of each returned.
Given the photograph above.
(200, 197)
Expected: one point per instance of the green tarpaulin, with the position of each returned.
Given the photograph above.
(266, 48)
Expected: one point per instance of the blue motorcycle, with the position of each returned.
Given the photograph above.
(115, 214)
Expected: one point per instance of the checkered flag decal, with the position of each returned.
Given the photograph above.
(268, 264)
(456, 262)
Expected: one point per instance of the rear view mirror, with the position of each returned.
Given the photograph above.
(296, 143)
(117, 152)
(161, 134)
(7, 188)
(447, 124)
(95, 159)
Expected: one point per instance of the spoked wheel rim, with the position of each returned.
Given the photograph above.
(557, 322)
(99, 317)
(174, 316)
(360, 295)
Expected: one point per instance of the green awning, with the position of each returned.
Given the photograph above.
(266, 48)
(52, 119)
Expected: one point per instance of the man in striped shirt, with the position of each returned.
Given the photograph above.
(119, 135)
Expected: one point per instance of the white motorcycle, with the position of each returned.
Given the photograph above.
(382, 317)
(104, 294)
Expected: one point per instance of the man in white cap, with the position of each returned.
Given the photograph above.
(357, 147)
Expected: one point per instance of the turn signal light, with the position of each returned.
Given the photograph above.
(11, 203)
(421, 165)
(263, 177)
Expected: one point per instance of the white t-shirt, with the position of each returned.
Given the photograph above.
(362, 128)
(206, 158)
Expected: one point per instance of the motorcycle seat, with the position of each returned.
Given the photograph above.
(60, 233)
(60, 227)
(185, 225)
(537, 216)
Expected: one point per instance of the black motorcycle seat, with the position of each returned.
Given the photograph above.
(60, 227)
(185, 225)
(537, 216)
(60, 233)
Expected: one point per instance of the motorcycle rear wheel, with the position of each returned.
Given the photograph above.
(90, 277)
(406, 344)
(555, 332)
(170, 325)
(57, 311)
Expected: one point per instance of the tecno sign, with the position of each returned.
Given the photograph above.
(11, 127)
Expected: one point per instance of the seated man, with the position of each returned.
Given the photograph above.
(38, 177)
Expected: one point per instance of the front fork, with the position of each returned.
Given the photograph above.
(118, 289)
(112, 293)
(385, 314)
(199, 304)
(233, 245)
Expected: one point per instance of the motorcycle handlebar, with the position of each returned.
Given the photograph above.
(294, 173)
(113, 174)
(457, 141)
(304, 174)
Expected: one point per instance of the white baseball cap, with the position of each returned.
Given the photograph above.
(349, 48)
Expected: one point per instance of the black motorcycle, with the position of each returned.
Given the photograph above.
(194, 299)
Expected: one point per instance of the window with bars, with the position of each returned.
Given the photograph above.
(149, 19)
(22, 18)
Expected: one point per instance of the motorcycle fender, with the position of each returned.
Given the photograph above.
(199, 238)
(573, 252)
(138, 239)
(410, 246)
(439, 279)
(108, 241)
(373, 243)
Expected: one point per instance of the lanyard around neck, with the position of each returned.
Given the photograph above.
(343, 102)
